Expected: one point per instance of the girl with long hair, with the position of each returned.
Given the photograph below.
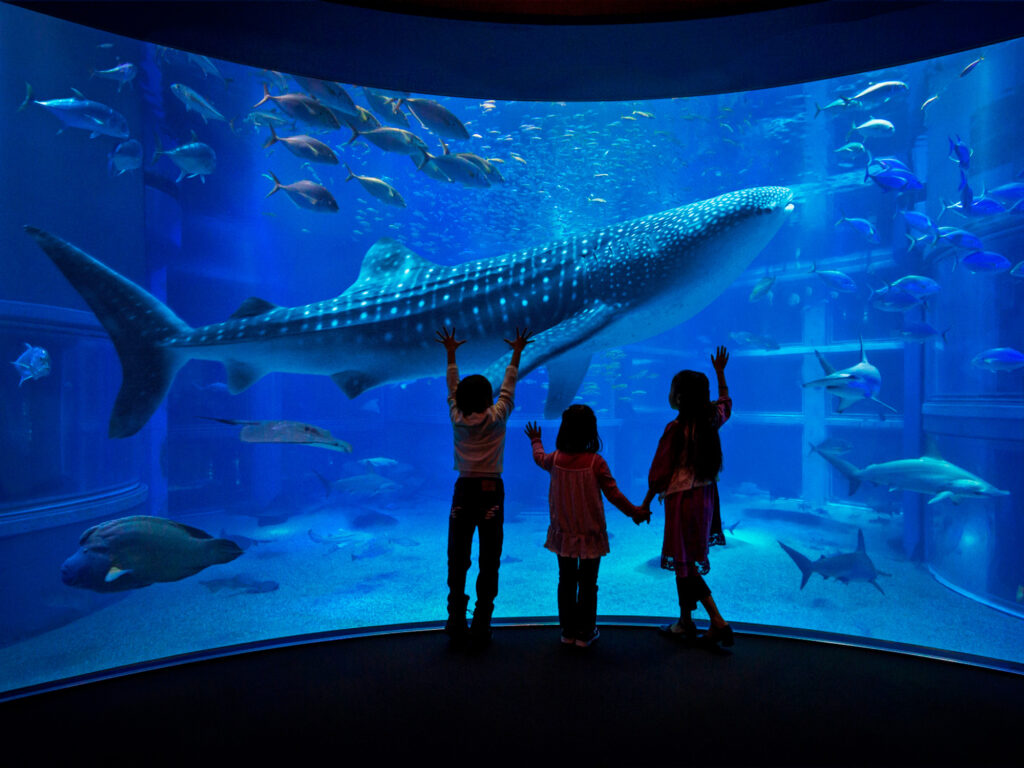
(684, 474)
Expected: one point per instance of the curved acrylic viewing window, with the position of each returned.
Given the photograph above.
(870, 488)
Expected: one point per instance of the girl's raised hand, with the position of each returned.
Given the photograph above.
(448, 339)
(521, 340)
(720, 359)
(532, 430)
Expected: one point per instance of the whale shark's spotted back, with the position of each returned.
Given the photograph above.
(592, 291)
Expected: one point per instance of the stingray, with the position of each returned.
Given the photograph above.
(286, 432)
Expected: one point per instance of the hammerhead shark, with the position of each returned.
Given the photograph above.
(580, 295)
(845, 567)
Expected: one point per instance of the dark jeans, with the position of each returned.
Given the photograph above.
(690, 589)
(577, 595)
(477, 504)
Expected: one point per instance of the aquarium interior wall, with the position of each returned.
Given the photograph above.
(332, 539)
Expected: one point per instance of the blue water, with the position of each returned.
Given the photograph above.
(348, 542)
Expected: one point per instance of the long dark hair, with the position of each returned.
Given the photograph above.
(696, 437)
(578, 433)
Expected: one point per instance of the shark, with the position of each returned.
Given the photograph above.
(858, 382)
(930, 475)
(579, 295)
(844, 567)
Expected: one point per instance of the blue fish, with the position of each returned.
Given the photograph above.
(917, 285)
(960, 153)
(1008, 194)
(193, 159)
(999, 359)
(79, 112)
(33, 363)
(127, 156)
(896, 179)
(920, 222)
(892, 299)
(836, 280)
(580, 295)
(960, 238)
(985, 261)
(122, 74)
(921, 332)
(863, 226)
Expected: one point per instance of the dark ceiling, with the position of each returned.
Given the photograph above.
(560, 50)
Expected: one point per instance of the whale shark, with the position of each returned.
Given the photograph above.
(930, 474)
(858, 382)
(617, 285)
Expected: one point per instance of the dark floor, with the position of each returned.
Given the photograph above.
(635, 698)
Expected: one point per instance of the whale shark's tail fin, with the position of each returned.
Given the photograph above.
(802, 562)
(137, 323)
(846, 469)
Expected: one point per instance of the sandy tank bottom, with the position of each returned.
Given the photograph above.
(402, 579)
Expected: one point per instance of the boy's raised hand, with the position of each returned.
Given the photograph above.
(519, 343)
(532, 430)
(720, 359)
(448, 339)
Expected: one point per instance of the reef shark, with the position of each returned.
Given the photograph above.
(930, 474)
(589, 292)
(858, 382)
(844, 567)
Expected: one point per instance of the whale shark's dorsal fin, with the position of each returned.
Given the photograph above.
(860, 541)
(388, 259)
(253, 306)
(931, 448)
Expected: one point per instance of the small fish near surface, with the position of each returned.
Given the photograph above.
(303, 108)
(379, 188)
(303, 146)
(307, 194)
(33, 363)
(193, 159)
(748, 339)
(858, 382)
(122, 74)
(845, 567)
(283, 431)
(79, 112)
(136, 551)
(127, 156)
(195, 103)
(241, 584)
(435, 117)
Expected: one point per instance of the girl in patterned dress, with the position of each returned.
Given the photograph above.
(578, 533)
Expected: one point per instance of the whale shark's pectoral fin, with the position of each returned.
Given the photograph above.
(944, 495)
(354, 383)
(241, 376)
(558, 349)
(564, 378)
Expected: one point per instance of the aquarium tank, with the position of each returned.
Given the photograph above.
(223, 414)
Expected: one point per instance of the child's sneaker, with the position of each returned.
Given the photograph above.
(568, 639)
(587, 640)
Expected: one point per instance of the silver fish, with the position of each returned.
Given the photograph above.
(33, 363)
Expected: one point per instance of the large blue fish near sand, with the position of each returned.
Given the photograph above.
(580, 295)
